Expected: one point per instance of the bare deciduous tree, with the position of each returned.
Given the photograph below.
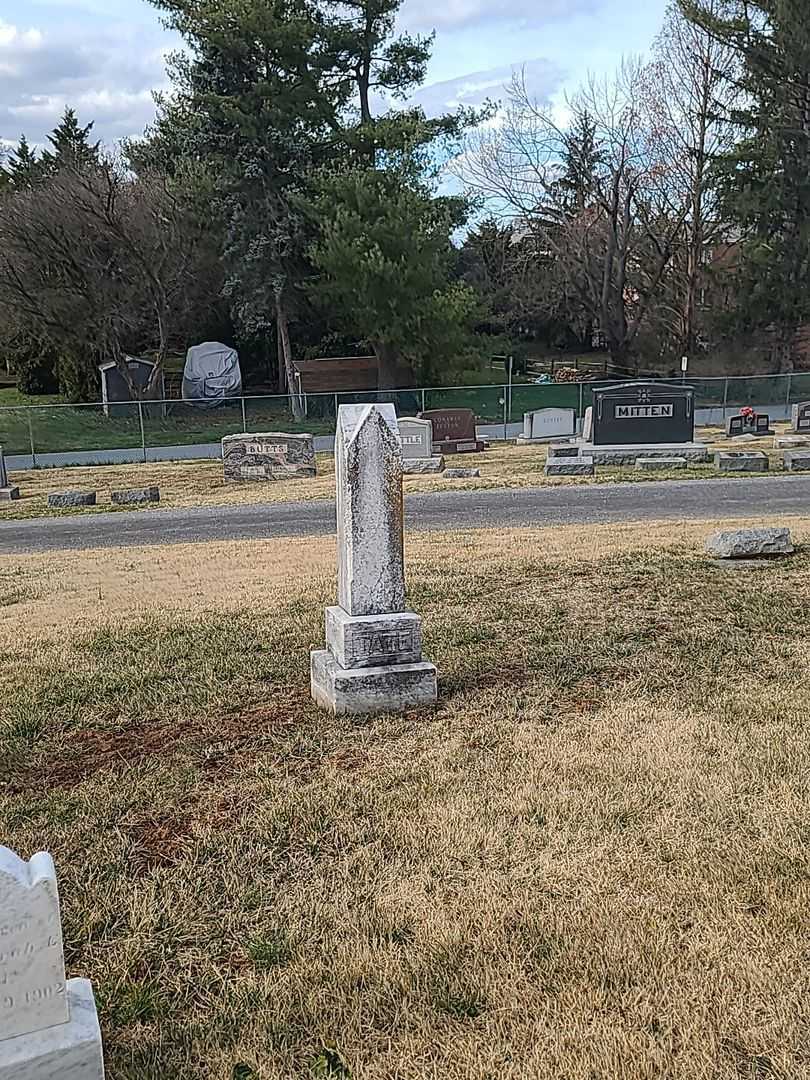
(613, 244)
(99, 263)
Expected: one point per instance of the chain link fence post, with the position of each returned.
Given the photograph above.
(423, 401)
(787, 395)
(244, 414)
(725, 399)
(31, 438)
(143, 430)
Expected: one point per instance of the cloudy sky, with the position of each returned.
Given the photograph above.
(105, 57)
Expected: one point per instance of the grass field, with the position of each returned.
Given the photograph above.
(201, 483)
(589, 861)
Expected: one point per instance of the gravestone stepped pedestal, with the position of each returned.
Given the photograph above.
(373, 659)
(48, 1025)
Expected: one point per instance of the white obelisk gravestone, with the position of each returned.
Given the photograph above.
(373, 656)
(48, 1026)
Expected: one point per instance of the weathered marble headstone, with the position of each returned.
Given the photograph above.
(543, 424)
(453, 431)
(800, 417)
(373, 659)
(48, 1025)
(7, 491)
(268, 455)
(61, 499)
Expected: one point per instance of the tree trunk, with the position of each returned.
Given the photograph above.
(387, 366)
(289, 370)
(281, 373)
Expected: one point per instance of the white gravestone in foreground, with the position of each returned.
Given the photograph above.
(48, 1025)
(373, 656)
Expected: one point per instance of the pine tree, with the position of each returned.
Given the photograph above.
(70, 144)
(24, 168)
(581, 159)
(764, 181)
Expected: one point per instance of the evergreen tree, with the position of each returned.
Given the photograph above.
(764, 180)
(576, 188)
(70, 145)
(24, 168)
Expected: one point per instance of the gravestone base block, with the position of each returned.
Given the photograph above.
(422, 466)
(70, 1051)
(357, 641)
(579, 466)
(627, 453)
(459, 446)
(658, 464)
(563, 450)
(393, 688)
(753, 461)
(8, 494)
(797, 460)
(791, 442)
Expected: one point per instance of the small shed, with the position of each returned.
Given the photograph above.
(116, 394)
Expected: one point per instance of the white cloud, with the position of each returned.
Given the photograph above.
(543, 79)
(107, 75)
(427, 15)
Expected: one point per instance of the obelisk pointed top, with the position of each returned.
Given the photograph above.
(352, 418)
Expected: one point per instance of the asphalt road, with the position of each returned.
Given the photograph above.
(688, 500)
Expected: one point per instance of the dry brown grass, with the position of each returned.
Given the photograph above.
(589, 861)
(200, 483)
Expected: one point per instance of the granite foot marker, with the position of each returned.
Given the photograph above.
(48, 1025)
(373, 659)
(749, 543)
(7, 491)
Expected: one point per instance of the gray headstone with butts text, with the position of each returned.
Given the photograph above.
(373, 656)
(267, 455)
(48, 1024)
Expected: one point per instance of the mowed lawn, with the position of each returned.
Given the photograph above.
(590, 860)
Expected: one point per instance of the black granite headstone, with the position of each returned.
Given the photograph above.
(749, 424)
(642, 413)
(801, 418)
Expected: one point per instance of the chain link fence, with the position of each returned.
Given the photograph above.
(135, 428)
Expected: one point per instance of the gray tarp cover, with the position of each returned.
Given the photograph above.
(211, 374)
